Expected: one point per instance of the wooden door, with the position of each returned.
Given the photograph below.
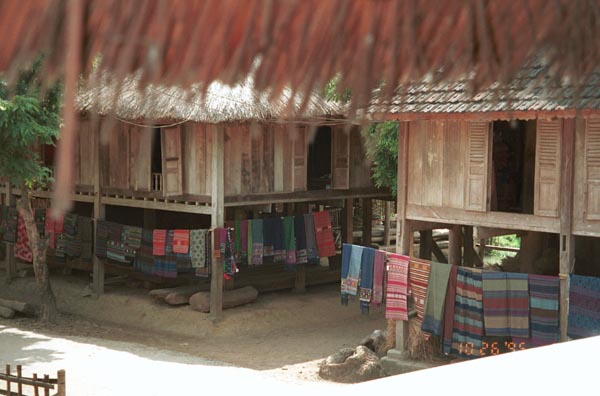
(299, 163)
(478, 153)
(171, 161)
(592, 169)
(340, 159)
(547, 168)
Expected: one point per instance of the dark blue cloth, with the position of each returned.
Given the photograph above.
(584, 307)
(346, 253)
(366, 279)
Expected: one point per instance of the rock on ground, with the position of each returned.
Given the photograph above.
(376, 342)
(352, 365)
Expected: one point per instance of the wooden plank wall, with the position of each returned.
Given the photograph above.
(196, 165)
(360, 166)
(118, 157)
(87, 153)
(140, 156)
(586, 199)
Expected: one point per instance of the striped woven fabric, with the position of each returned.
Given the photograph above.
(132, 237)
(467, 330)
(544, 295)
(311, 240)
(144, 259)
(115, 231)
(584, 306)
(418, 279)
(159, 238)
(324, 234)
(244, 224)
(256, 226)
(61, 245)
(73, 246)
(70, 224)
(21, 249)
(166, 265)
(181, 241)
(116, 251)
(397, 287)
(505, 304)
(289, 241)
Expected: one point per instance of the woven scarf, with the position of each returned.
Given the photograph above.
(365, 293)
(279, 250)
(249, 243)
(70, 224)
(584, 307)
(418, 277)
(237, 239)
(101, 238)
(21, 249)
(346, 253)
(118, 252)
(378, 277)
(61, 245)
(72, 246)
(12, 219)
(289, 240)
(159, 238)
(467, 329)
(181, 241)
(144, 260)
(268, 231)
(324, 234)
(132, 237)
(229, 264)
(354, 270)
(396, 306)
(544, 295)
(257, 241)
(198, 248)
(449, 311)
(115, 232)
(300, 234)
(436, 298)
(311, 241)
(166, 266)
(505, 304)
(204, 272)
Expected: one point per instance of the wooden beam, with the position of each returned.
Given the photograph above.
(417, 225)
(157, 205)
(386, 222)
(98, 271)
(514, 221)
(425, 244)
(454, 245)
(468, 249)
(348, 221)
(437, 252)
(488, 232)
(217, 218)
(403, 230)
(567, 240)
(367, 221)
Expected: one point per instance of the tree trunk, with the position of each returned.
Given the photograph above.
(38, 246)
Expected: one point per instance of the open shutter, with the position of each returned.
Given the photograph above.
(171, 161)
(299, 152)
(592, 169)
(476, 193)
(118, 155)
(340, 159)
(547, 168)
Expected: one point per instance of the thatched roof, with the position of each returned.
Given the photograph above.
(218, 103)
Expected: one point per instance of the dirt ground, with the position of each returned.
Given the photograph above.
(282, 333)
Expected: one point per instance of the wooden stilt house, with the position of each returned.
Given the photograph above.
(521, 159)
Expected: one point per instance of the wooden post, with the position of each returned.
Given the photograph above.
(454, 245)
(469, 250)
(217, 218)
(403, 229)
(386, 222)
(348, 221)
(11, 262)
(367, 228)
(425, 244)
(482, 246)
(99, 214)
(61, 383)
(567, 240)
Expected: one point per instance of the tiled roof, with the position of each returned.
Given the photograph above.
(530, 91)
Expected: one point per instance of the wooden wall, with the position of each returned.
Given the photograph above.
(360, 165)
(586, 201)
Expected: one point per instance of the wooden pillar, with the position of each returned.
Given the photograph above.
(367, 228)
(348, 221)
(567, 240)
(454, 245)
(403, 228)
(99, 214)
(482, 246)
(217, 218)
(425, 244)
(386, 223)
(469, 250)
(11, 262)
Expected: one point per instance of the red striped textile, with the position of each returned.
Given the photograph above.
(397, 287)
(22, 249)
(418, 278)
(181, 241)
(159, 238)
(324, 234)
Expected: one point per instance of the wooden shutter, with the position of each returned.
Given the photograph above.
(476, 192)
(171, 161)
(592, 169)
(140, 154)
(547, 168)
(340, 159)
(118, 154)
(299, 165)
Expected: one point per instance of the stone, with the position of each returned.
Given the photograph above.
(351, 365)
(6, 312)
(377, 342)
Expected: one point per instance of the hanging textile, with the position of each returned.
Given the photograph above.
(279, 250)
(72, 246)
(49, 229)
(70, 224)
(289, 240)
(436, 298)
(12, 219)
(183, 262)
(249, 243)
(3, 219)
(418, 277)
(257, 241)
(181, 241)
(311, 241)
(166, 265)
(354, 270)
(544, 297)
(198, 248)
(584, 306)
(205, 271)
(21, 249)
(505, 304)
(300, 234)
(378, 277)
(324, 234)
(243, 227)
(366, 279)
(237, 239)
(448, 322)
(467, 332)
(229, 265)
(39, 216)
(61, 246)
(397, 287)
(119, 252)
(159, 238)
(346, 254)
(132, 237)
(268, 231)
(85, 236)
(144, 259)
(101, 238)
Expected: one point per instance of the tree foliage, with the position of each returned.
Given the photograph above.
(381, 141)
(29, 115)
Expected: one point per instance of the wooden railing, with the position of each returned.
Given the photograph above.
(14, 384)
(157, 182)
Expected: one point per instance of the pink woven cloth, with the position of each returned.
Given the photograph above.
(396, 306)
(181, 241)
